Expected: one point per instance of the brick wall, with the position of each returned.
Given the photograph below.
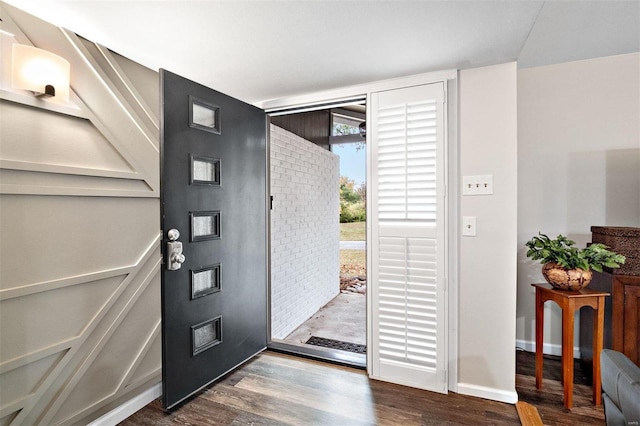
(304, 230)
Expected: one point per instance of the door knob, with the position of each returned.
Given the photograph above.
(174, 251)
(177, 258)
(173, 234)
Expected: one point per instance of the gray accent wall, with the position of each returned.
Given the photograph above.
(79, 234)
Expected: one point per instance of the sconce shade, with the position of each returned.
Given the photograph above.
(34, 69)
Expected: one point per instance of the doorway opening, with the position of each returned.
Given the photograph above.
(318, 233)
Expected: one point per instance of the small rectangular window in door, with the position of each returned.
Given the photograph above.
(205, 225)
(204, 116)
(204, 170)
(206, 335)
(205, 281)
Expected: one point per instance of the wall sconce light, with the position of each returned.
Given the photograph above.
(40, 71)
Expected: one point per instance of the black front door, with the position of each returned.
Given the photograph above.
(214, 276)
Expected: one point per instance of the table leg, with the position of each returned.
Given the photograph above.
(598, 337)
(539, 337)
(568, 310)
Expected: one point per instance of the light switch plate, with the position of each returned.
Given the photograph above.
(477, 185)
(469, 226)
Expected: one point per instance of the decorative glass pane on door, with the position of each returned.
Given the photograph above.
(206, 335)
(205, 170)
(205, 225)
(205, 281)
(204, 116)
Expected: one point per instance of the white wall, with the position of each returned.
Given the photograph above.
(487, 262)
(304, 230)
(578, 164)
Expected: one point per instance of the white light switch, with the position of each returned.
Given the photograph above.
(469, 226)
(477, 185)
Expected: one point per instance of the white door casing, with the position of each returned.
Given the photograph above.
(407, 214)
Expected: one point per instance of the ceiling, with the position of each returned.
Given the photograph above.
(263, 50)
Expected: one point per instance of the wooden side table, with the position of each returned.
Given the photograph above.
(569, 302)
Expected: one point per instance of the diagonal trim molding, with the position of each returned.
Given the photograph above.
(146, 345)
(99, 99)
(148, 112)
(88, 359)
(27, 289)
(77, 342)
(112, 91)
(144, 349)
(95, 335)
(28, 166)
(29, 358)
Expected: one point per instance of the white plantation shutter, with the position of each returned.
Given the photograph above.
(407, 161)
(407, 293)
(407, 279)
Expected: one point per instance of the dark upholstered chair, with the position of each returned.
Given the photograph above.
(620, 389)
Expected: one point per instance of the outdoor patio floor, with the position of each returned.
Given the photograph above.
(344, 318)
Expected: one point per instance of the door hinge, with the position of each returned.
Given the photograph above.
(271, 202)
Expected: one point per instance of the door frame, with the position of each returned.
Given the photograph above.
(333, 356)
(452, 225)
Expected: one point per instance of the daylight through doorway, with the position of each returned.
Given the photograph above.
(318, 233)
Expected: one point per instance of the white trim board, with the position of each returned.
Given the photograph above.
(547, 348)
(510, 397)
(452, 165)
(129, 407)
(348, 92)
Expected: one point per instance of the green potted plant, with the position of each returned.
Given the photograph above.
(569, 268)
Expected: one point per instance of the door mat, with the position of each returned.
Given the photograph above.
(337, 344)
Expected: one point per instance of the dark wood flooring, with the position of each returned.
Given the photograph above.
(548, 400)
(277, 389)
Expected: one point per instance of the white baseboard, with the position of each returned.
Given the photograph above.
(547, 348)
(123, 411)
(510, 397)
